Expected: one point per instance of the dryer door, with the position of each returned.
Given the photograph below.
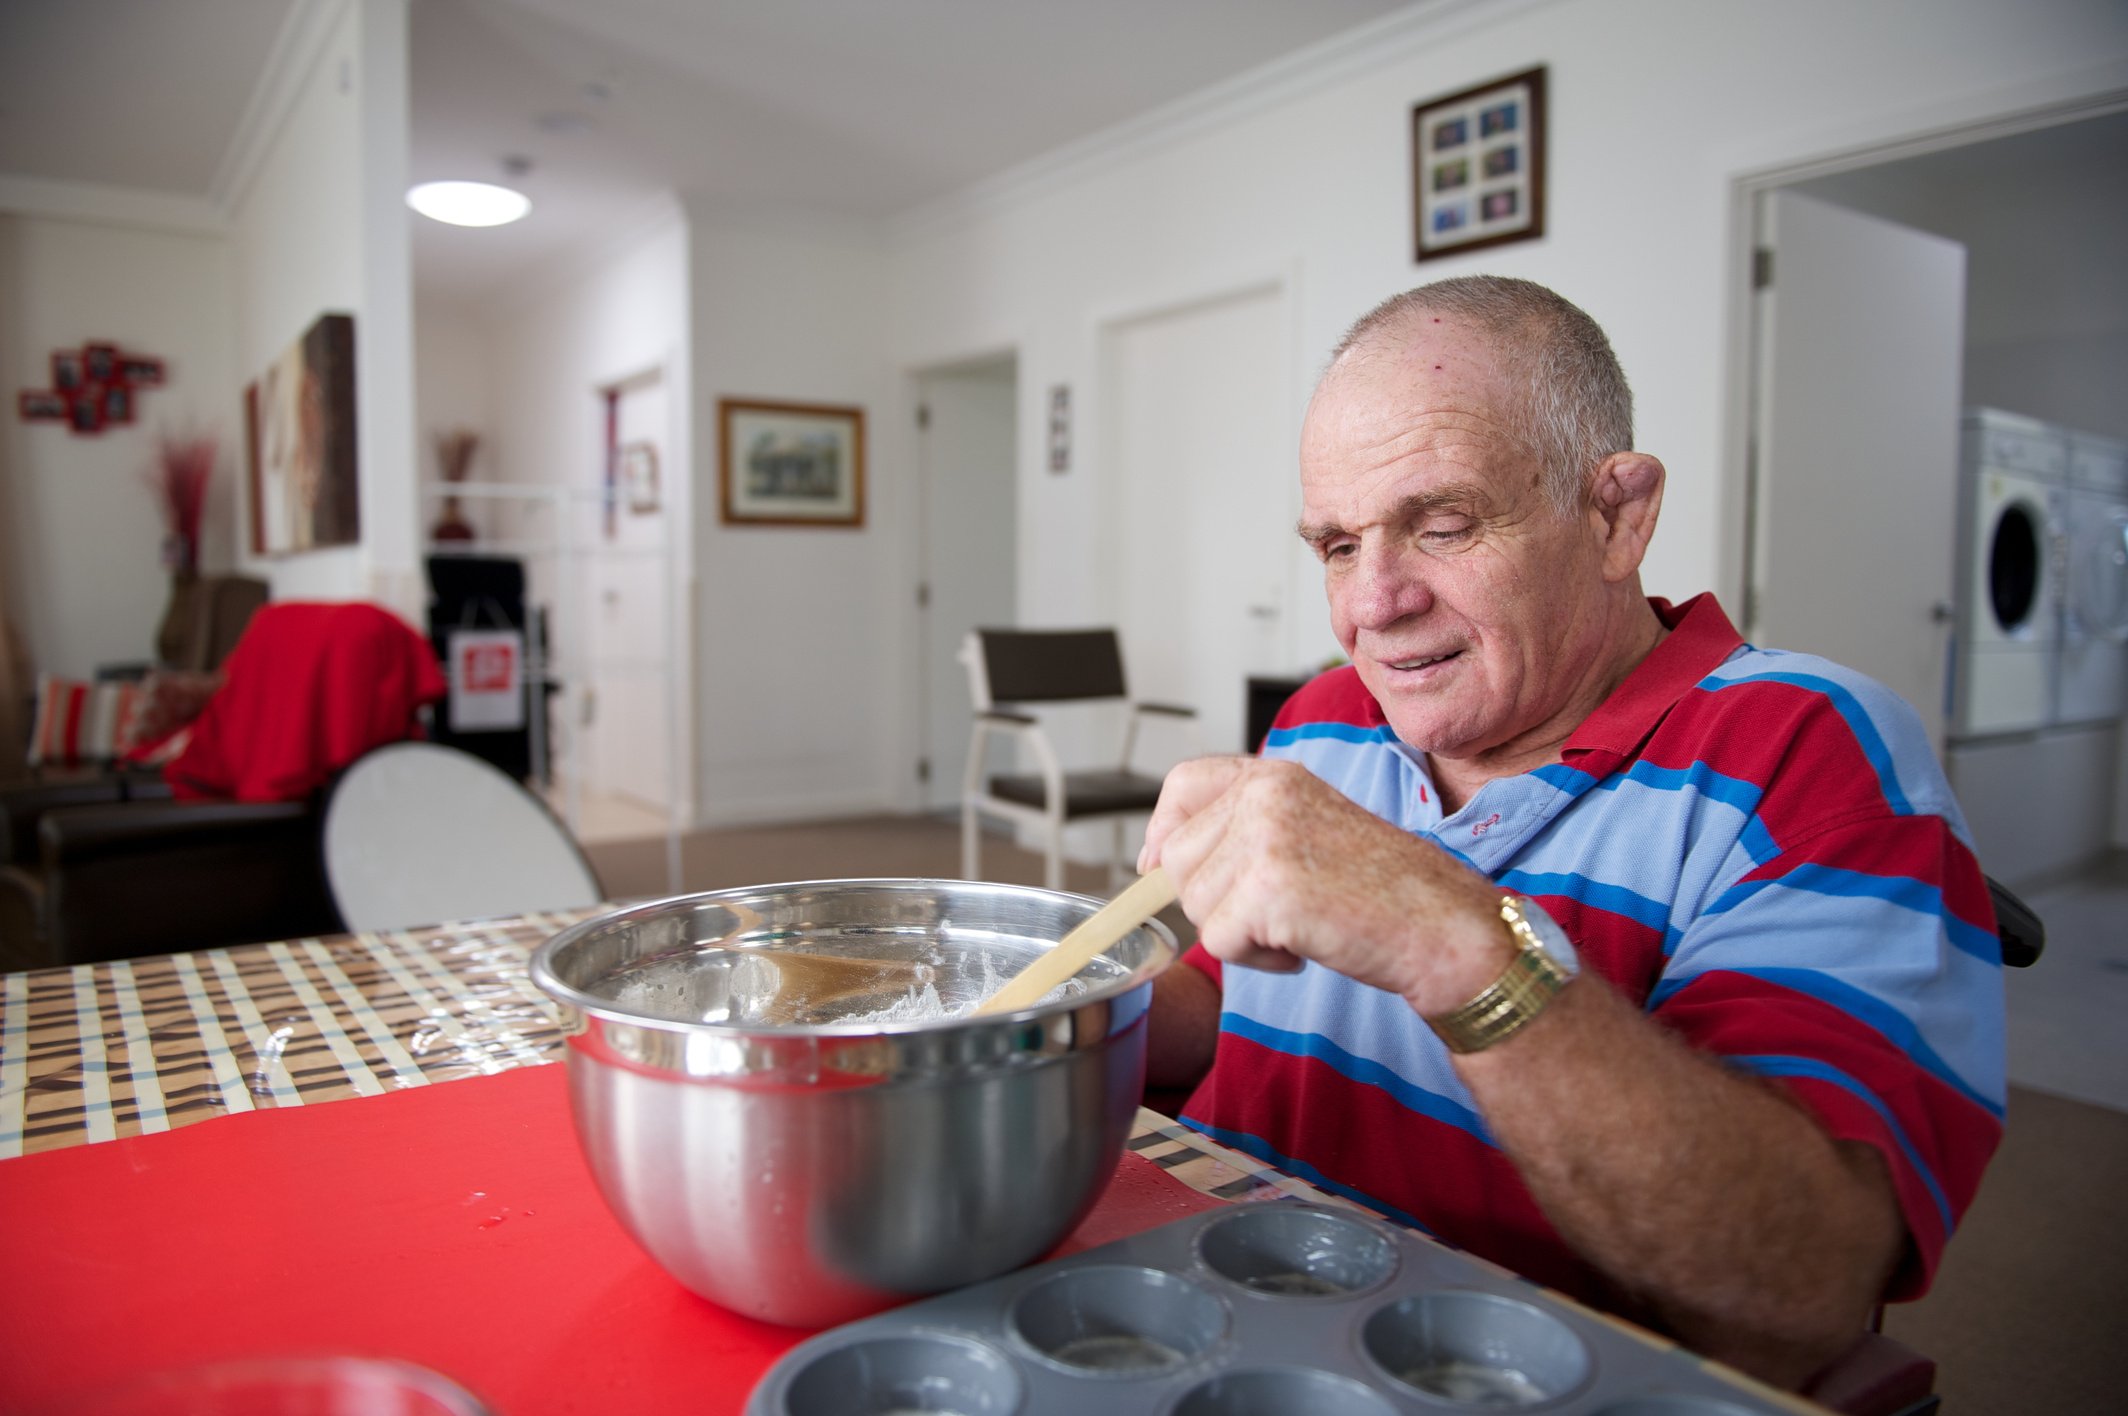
(2017, 548)
(2098, 576)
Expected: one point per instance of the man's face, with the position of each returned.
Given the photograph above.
(1471, 608)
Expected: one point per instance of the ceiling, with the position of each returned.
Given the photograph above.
(849, 108)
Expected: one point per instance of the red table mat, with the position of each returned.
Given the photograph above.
(453, 1225)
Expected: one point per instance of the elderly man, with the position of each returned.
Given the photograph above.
(1578, 932)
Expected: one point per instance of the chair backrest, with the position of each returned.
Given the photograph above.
(417, 833)
(1045, 665)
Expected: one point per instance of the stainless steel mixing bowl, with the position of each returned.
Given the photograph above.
(812, 1173)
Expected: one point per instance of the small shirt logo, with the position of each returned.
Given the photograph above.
(1486, 825)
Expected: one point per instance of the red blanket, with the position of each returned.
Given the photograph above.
(306, 691)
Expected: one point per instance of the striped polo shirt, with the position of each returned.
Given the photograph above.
(1757, 847)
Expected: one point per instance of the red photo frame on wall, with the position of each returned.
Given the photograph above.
(94, 387)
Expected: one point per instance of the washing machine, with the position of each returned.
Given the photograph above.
(2093, 684)
(2009, 574)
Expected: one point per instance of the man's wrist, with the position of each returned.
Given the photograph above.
(1521, 991)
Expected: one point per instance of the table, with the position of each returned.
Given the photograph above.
(174, 1189)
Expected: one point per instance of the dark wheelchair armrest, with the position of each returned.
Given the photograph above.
(2023, 934)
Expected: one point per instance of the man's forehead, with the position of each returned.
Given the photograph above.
(1425, 341)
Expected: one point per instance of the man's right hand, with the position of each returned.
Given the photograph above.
(1276, 867)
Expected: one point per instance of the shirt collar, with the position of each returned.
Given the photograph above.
(1700, 639)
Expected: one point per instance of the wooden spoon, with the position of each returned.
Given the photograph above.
(1149, 894)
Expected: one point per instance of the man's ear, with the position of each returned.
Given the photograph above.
(1625, 498)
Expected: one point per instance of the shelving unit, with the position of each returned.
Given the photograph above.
(560, 563)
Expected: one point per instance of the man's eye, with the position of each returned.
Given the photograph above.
(1451, 532)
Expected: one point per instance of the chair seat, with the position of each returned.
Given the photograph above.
(1085, 793)
(1878, 1376)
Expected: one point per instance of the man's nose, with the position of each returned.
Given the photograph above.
(1388, 586)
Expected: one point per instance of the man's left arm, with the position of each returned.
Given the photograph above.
(1720, 1207)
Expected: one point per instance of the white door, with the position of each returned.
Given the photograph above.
(968, 435)
(1204, 492)
(630, 743)
(1860, 343)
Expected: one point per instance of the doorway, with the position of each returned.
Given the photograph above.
(2044, 335)
(631, 640)
(1199, 437)
(967, 417)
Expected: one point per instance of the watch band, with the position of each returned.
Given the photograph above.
(1514, 999)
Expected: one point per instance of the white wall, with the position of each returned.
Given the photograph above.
(319, 225)
(804, 682)
(1648, 138)
(453, 388)
(2044, 220)
(80, 534)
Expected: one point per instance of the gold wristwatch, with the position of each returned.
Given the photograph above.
(1520, 993)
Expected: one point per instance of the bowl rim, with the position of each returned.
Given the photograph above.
(1166, 953)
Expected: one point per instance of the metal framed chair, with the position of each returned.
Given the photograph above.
(1013, 669)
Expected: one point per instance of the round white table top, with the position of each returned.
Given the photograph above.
(417, 834)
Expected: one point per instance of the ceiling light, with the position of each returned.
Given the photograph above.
(468, 203)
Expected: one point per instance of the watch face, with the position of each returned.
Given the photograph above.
(1556, 945)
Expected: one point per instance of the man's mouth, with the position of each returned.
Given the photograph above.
(1421, 662)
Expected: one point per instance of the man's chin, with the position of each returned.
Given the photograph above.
(1429, 734)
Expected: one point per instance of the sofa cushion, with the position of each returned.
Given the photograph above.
(80, 722)
(170, 699)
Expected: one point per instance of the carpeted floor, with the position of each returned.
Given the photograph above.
(2026, 1316)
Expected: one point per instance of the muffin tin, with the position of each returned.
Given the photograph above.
(1260, 1310)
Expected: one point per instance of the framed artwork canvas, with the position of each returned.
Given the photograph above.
(1478, 166)
(790, 464)
(300, 431)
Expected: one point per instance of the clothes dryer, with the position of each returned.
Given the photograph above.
(2010, 555)
(2093, 686)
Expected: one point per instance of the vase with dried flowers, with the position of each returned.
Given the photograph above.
(454, 456)
(183, 468)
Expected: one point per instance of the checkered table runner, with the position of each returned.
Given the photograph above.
(99, 1051)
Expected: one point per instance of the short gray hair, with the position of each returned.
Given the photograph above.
(1576, 408)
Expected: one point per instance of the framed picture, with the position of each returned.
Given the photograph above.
(1478, 166)
(790, 464)
(639, 474)
(36, 405)
(300, 430)
(85, 409)
(141, 372)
